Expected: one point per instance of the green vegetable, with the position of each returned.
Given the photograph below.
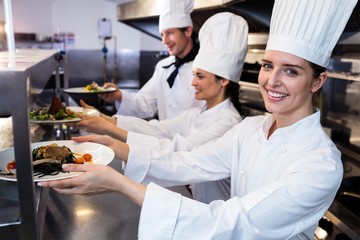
(60, 114)
(42, 114)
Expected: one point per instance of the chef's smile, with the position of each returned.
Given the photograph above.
(276, 95)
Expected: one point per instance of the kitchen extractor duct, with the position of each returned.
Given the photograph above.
(150, 8)
(144, 16)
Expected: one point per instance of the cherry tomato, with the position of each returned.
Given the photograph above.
(11, 165)
(87, 157)
(79, 160)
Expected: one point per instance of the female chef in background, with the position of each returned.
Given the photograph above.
(216, 82)
(285, 170)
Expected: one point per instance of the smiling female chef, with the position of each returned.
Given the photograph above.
(285, 170)
(223, 39)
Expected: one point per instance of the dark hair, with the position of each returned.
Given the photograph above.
(232, 92)
(194, 35)
(317, 70)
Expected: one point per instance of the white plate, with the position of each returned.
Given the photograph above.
(82, 90)
(101, 154)
(74, 109)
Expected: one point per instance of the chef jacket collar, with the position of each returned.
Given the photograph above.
(295, 129)
(224, 104)
(188, 58)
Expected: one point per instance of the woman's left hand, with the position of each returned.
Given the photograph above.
(95, 179)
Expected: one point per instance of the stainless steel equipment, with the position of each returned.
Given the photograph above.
(23, 75)
(143, 15)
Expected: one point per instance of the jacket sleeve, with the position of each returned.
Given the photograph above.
(288, 208)
(177, 168)
(174, 134)
(160, 129)
(141, 104)
(178, 217)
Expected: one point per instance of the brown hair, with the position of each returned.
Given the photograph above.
(317, 70)
(232, 92)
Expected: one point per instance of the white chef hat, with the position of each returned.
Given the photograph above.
(175, 14)
(223, 46)
(308, 29)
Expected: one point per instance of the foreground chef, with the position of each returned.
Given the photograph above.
(284, 169)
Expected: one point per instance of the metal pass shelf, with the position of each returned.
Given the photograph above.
(23, 75)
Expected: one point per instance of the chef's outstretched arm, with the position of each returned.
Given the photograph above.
(97, 179)
(99, 125)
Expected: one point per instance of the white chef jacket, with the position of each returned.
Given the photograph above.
(157, 97)
(280, 186)
(194, 127)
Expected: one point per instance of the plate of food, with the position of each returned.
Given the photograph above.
(92, 88)
(48, 157)
(57, 113)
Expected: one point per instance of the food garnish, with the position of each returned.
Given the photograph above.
(43, 114)
(83, 158)
(9, 166)
(93, 87)
(87, 157)
(56, 111)
(55, 106)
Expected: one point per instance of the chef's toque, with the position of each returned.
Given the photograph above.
(308, 29)
(175, 14)
(223, 46)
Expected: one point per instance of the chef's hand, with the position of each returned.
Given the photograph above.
(120, 148)
(113, 96)
(96, 112)
(98, 125)
(85, 105)
(97, 179)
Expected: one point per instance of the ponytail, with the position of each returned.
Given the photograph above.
(232, 92)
